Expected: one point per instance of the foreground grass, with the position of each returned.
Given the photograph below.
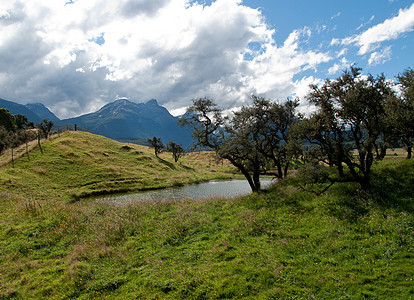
(78, 164)
(284, 243)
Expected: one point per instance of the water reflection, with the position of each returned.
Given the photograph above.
(225, 189)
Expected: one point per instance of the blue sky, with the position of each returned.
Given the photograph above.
(342, 19)
(76, 56)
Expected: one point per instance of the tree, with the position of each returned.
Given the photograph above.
(250, 140)
(45, 127)
(350, 117)
(205, 120)
(272, 124)
(7, 120)
(176, 150)
(4, 139)
(156, 144)
(400, 112)
(22, 122)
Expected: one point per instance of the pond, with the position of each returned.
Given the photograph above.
(211, 189)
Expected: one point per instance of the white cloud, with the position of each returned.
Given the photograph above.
(344, 64)
(380, 57)
(390, 29)
(336, 15)
(342, 52)
(274, 69)
(76, 57)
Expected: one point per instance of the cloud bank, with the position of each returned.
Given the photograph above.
(75, 56)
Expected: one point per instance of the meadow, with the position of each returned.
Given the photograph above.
(283, 243)
(76, 165)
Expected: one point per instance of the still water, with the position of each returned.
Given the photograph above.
(211, 189)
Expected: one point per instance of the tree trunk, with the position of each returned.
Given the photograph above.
(365, 183)
(256, 180)
(279, 170)
(285, 171)
(409, 152)
(253, 182)
(381, 151)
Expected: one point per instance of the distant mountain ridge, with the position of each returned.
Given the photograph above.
(43, 112)
(15, 108)
(120, 120)
(124, 120)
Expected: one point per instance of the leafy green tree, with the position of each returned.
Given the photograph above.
(271, 128)
(22, 122)
(156, 144)
(176, 150)
(4, 138)
(45, 127)
(7, 120)
(253, 140)
(350, 117)
(207, 124)
(400, 112)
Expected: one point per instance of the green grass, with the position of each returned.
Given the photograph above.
(281, 244)
(78, 164)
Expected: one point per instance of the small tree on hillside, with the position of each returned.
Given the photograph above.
(176, 150)
(156, 144)
(45, 127)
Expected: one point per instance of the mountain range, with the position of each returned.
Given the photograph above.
(120, 120)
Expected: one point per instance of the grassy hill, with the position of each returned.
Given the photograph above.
(281, 244)
(78, 164)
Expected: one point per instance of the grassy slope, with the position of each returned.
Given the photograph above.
(284, 243)
(80, 163)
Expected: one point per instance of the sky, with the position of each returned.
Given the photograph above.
(75, 56)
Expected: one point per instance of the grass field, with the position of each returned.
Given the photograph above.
(78, 164)
(281, 244)
(398, 153)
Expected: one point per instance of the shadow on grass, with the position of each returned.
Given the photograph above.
(392, 188)
(167, 163)
(393, 185)
(174, 166)
(187, 168)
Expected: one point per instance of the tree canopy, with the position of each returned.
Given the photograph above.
(7, 120)
(45, 127)
(349, 120)
(400, 111)
(156, 144)
(176, 150)
(254, 139)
